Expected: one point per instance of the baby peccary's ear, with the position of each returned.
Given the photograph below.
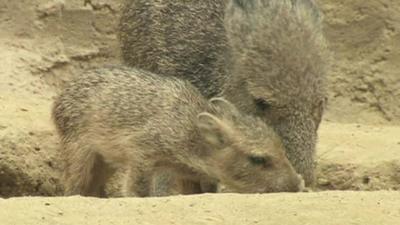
(214, 131)
(222, 104)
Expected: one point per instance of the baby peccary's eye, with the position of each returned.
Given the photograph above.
(260, 161)
(262, 104)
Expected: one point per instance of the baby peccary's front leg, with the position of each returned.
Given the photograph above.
(198, 187)
(208, 186)
(138, 181)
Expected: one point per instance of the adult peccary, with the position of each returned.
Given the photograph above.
(116, 117)
(268, 57)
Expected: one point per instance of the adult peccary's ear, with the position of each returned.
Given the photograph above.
(244, 4)
(222, 104)
(214, 131)
(318, 111)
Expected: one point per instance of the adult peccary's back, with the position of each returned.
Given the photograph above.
(118, 117)
(274, 65)
(176, 38)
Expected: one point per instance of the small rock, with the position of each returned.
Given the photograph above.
(50, 164)
(366, 179)
(54, 7)
(323, 182)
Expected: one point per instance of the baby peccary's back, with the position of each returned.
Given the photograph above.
(126, 118)
(120, 98)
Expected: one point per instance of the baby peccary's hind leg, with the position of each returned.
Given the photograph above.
(165, 183)
(78, 168)
(138, 181)
(101, 172)
(189, 187)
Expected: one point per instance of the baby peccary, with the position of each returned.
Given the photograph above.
(118, 117)
(268, 57)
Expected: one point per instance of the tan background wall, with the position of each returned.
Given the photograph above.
(365, 36)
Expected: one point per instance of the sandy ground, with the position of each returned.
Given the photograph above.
(44, 43)
(328, 208)
(358, 157)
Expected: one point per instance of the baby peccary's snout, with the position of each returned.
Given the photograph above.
(259, 164)
(294, 183)
(117, 117)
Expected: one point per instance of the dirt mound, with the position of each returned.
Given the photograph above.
(358, 157)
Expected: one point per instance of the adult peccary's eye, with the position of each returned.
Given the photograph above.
(259, 161)
(262, 104)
